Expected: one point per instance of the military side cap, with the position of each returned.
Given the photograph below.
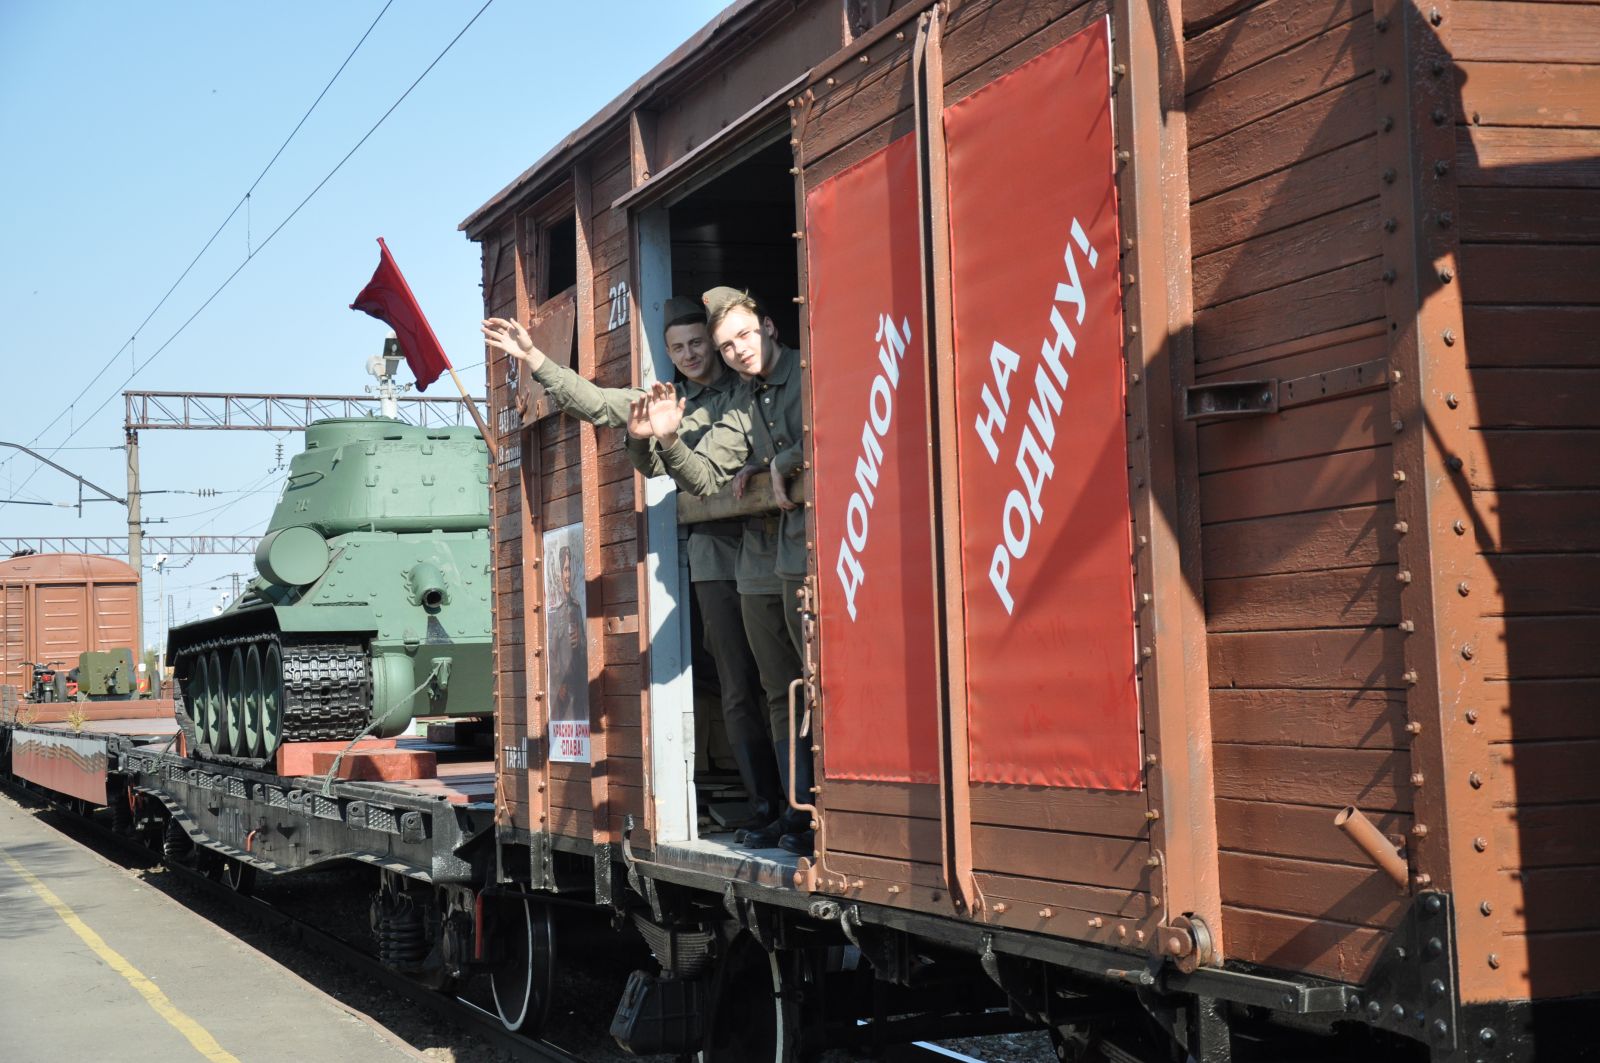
(680, 307)
(717, 299)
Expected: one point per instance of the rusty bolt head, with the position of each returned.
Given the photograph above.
(1403, 576)
(1439, 116)
(1467, 652)
(1485, 907)
(1408, 626)
(1453, 463)
(1388, 276)
(1410, 677)
(1446, 219)
(1381, 24)
(1441, 168)
(1389, 176)
(1459, 527)
(1176, 945)
(1094, 921)
(1390, 225)
(1152, 861)
(1420, 830)
(1475, 780)
(1463, 589)
(1422, 881)
(1152, 814)
(1413, 728)
(1399, 476)
(1446, 275)
(1472, 715)
(1000, 907)
(1494, 962)
(1150, 759)
(1385, 75)
(1449, 337)
(1417, 778)
(1387, 124)
(1046, 913)
(1397, 424)
(1452, 400)
(1480, 843)
(1435, 17)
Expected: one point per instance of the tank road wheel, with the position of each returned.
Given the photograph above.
(233, 686)
(271, 700)
(524, 978)
(197, 688)
(250, 693)
(214, 711)
(754, 1017)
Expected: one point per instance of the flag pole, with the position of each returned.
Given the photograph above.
(483, 429)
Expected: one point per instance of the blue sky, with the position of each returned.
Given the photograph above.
(131, 130)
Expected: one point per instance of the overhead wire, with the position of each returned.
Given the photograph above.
(207, 246)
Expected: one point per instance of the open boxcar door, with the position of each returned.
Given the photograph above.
(993, 523)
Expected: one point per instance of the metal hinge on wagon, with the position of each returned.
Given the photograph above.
(1230, 400)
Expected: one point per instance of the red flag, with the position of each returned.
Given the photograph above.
(388, 298)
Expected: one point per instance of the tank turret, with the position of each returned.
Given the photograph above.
(370, 606)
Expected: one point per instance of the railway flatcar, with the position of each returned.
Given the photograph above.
(1201, 495)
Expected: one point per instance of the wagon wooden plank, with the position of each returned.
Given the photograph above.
(1535, 709)
(1201, 15)
(1366, 778)
(1296, 943)
(1085, 858)
(1300, 831)
(1284, 197)
(883, 870)
(1553, 964)
(1546, 773)
(879, 835)
(1504, 31)
(1518, 157)
(1118, 815)
(1529, 94)
(890, 799)
(1558, 836)
(1353, 423)
(1310, 248)
(1128, 904)
(1260, 33)
(1291, 136)
(1314, 718)
(1545, 274)
(1530, 215)
(1528, 521)
(1554, 898)
(1331, 481)
(1343, 297)
(1321, 64)
(1537, 398)
(1359, 896)
(1354, 537)
(1510, 458)
(1348, 597)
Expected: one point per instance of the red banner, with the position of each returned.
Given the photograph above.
(873, 511)
(388, 298)
(1043, 455)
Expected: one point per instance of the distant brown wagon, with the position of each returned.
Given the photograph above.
(56, 606)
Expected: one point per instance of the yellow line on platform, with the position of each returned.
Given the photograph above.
(192, 1031)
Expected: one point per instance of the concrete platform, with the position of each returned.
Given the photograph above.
(96, 965)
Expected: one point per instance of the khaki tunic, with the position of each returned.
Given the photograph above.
(762, 425)
(713, 554)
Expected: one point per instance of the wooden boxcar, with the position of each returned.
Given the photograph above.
(1291, 520)
(55, 606)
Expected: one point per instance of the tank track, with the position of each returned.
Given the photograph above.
(327, 691)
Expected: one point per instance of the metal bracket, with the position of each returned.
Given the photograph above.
(1412, 989)
(1230, 400)
(604, 856)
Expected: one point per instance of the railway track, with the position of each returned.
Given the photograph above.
(456, 1011)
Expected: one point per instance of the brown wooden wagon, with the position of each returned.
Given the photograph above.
(1337, 284)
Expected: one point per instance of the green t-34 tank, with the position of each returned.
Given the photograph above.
(371, 603)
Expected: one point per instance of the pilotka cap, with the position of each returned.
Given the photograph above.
(718, 298)
(680, 307)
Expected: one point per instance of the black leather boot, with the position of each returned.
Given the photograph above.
(759, 773)
(767, 837)
(799, 838)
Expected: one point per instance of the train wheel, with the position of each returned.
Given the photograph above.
(754, 1016)
(250, 693)
(522, 982)
(271, 700)
(233, 705)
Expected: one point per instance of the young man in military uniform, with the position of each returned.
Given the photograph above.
(713, 547)
(761, 429)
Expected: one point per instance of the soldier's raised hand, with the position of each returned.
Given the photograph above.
(666, 412)
(513, 339)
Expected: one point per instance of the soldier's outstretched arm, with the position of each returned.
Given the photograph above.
(568, 391)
